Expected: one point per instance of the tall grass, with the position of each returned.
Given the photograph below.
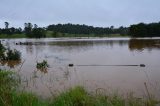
(10, 96)
(78, 96)
(26, 99)
(74, 97)
(7, 84)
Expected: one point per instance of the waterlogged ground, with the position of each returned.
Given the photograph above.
(98, 51)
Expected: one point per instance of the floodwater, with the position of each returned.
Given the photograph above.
(92, 52)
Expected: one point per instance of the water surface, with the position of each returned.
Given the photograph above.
(100, 51)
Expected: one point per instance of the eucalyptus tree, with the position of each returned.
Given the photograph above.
(6, 25)
(28, 29)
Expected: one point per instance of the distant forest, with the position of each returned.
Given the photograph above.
(145, 30)
(84, 29)
(33, 31)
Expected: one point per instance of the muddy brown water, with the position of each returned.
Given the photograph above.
(94, 51)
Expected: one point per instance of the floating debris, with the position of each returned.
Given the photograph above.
(141, 65)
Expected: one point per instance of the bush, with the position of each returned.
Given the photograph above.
(13, 55)
(8, 54)
(38, 33)
(42, 66)
(2, 51)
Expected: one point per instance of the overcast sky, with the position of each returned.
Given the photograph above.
(91, 12)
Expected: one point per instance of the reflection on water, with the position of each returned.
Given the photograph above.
(74, 46)
(82, 45)
(43, 70)
(141, 44)
(106, 51)
(10, 64)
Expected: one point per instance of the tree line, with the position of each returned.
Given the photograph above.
(33, 31)
(84, 29)
(10, 31)
(145, 30)
(30, 30)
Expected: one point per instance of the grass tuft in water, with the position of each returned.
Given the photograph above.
(42, 65)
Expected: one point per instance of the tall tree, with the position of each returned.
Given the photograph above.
(35, 26)
(30, 25)
(6, 25)
(38, 33)
(145, 30)
(28, 29)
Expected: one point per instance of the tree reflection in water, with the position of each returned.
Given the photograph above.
(141, 44)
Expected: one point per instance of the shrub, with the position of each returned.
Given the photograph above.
(13, 55)
(2, 51)
(8, 54)
(42, 66)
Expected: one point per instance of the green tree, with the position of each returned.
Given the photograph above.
(6, 25)
(28, 29)
(54, 34)
(145, 30)
(35, 26)
(38, 33)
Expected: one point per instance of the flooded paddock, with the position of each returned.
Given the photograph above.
(89, 57)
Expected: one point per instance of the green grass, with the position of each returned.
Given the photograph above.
(74, 97)
(9, 96)
(78, 96)
(7, 84)
(13, 36)
(27, 99)
(49, 34)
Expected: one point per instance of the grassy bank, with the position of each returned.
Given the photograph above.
(50, 34)
(13, 36)
(78, 96)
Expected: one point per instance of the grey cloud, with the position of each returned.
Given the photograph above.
(91, 12)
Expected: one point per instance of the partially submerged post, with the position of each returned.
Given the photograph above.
(70, 65)
(142, 65)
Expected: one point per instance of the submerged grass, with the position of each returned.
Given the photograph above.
(77, 96)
